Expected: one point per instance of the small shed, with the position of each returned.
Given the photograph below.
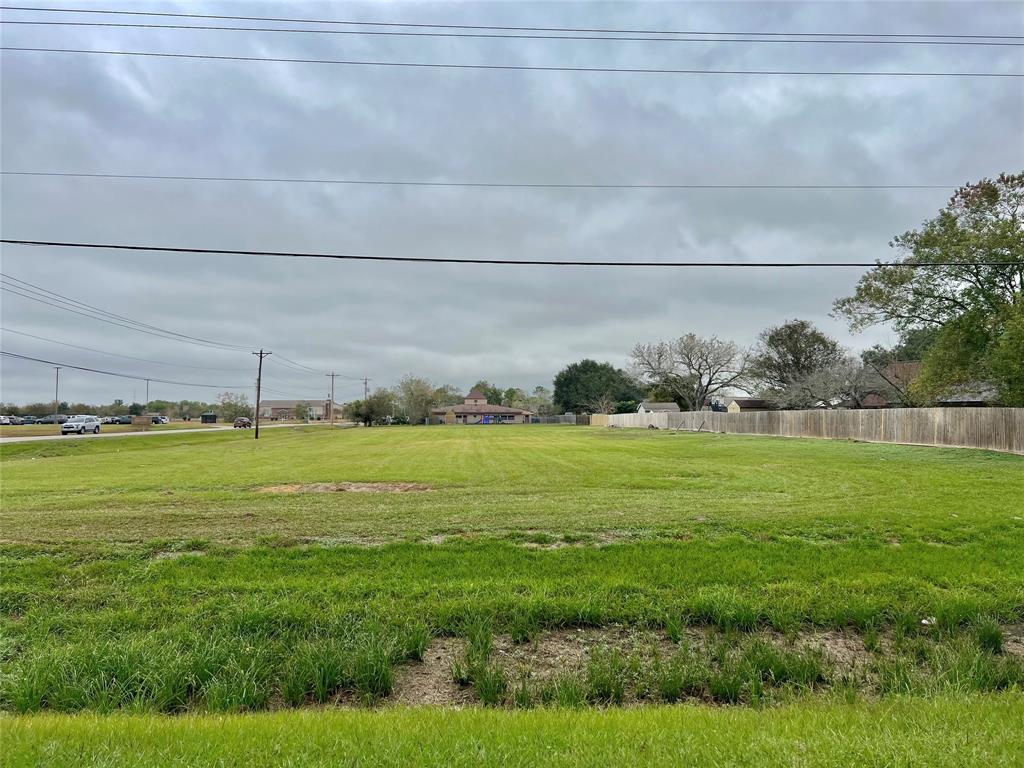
(747, 404)
(209, 417)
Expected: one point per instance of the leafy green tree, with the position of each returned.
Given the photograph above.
(301, 411)
(378, 408)
(163, 407)
(490, 391)
(136, 409)
(1006, 358)
(588, 384)
(448, 394)
(38, 409)
(911, 348)
(415, 397)
(539, 401)
(513, 397)
(234, 405)
(978, 242)
(787, 354)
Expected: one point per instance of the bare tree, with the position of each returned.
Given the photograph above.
(846, 382)
(692, 368)
(601, 404)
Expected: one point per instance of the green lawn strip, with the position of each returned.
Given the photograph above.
(556, 480)
(937, 731)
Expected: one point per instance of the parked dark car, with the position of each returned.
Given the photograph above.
(126, 419)
(16, 420)
(29, 420)
(243, 422)
(50, 420)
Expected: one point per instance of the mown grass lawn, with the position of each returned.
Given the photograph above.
(938, 733)
(156, 575)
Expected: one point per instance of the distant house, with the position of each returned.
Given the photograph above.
(476, 410)
(284, 410)
(747, 404)
(978, 395)
(649, 406)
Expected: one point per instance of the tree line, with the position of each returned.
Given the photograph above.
(960, 322)
(413, 398)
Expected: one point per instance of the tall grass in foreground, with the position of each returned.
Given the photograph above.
(234, 670)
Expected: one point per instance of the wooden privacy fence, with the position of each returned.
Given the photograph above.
(995, 429)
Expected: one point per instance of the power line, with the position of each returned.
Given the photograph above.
(511, 67)
(115, 354)
(60, 304)
(167, 14)
(24, 285)
(299, 366)
(120, 375)
(475, 184)
(512, 262)
(43, 295)
(507, 36)
(15, 292)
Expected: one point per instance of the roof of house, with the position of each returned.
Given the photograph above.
(650, 405)
(979, 392)
(481, 409)
(904, 372)
(476, 394)
(875, 400)
(750, 402)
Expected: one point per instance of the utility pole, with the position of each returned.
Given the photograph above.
(259, 374)
(56, 398)
(147, 396)
(366, 389)
(332, 374)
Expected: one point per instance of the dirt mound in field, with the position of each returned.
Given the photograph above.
(348, 487)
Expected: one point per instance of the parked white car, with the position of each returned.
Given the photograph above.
(81, 425)
(5, 420)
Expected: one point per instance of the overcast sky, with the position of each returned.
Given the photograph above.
(516, 326)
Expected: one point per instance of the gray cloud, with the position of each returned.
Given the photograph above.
(516, 326)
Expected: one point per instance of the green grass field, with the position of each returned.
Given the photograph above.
(805, 584)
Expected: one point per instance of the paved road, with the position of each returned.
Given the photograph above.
(103, 435)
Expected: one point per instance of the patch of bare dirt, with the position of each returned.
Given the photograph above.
(430, 681)
(1013, 639)
(568, 650)
(347, 488)
(846, 650)
(176, 555)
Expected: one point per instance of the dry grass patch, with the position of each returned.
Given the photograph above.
(347, 488)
